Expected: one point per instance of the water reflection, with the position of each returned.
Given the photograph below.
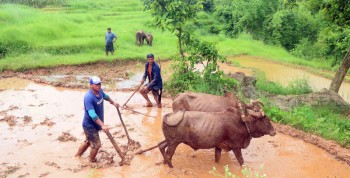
(34, 147)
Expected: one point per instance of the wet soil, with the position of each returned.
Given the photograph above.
(35, 116)
(77, 76)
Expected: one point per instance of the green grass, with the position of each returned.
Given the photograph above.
(245, 45)
(43, 37)
(325, 121)
(295, 87)
(74, 34)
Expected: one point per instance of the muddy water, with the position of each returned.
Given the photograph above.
(30, 147)
(285, 74)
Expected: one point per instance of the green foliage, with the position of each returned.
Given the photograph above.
(208, 5)
(173, 15)
(326, 121)
(254, 16)
(187, 77)
(338, 12)
(308, 50)
(297, 87)
(297, 26)
(73, 35)
(246, 171)
(205, 24)
(336, 41)
(37, 3)
(288, 28)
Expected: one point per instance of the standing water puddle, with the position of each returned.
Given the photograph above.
(284, 74)
(37, 115)
(131, 83)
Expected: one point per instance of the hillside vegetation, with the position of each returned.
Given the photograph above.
(73, 33)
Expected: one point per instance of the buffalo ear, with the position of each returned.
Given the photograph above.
(254, 114)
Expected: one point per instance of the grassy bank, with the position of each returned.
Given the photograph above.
(322, 121)
(74, 34)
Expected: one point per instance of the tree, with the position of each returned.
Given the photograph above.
(173, 15)
(338, 12)
(340, 74)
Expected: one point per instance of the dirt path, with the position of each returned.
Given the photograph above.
(77, 77)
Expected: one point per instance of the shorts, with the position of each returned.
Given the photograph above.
(156, 93)
(92, 137)
(109, 47)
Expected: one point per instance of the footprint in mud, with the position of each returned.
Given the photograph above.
(12, 107)
(47, 122)
(23, 143)
(179, 172)
(66, 136)
(44, 174)
(27, 119)
(24, 175)
(7, 170)
(69, 116)
(10, 120)
(53, 164)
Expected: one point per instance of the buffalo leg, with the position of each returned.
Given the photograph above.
(239, 157)
(170, 153)
(162, 147)
(217, 154)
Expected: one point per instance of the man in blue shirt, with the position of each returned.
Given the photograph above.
(93, 118)
(152, 72)
(109, 40)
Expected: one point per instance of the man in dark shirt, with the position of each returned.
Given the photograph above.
(152, 72)
(109, 40)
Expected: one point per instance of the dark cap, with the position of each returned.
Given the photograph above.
(109, 28)
(150, 56)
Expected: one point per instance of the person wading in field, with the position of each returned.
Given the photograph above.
(93, 118)
(152, 72)
(109, 40)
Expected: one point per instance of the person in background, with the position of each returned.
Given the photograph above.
(93, 120)
(110, 38)
(152, 72)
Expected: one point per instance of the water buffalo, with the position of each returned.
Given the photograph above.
(149, 39)
(140, 37)
(204, 130)
(190, 101)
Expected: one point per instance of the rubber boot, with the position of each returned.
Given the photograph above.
(83, 147)
(93, 153)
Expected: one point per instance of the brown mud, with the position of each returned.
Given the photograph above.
(76, 77)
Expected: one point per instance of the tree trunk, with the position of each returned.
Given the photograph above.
(340, 75)
(180, 43)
